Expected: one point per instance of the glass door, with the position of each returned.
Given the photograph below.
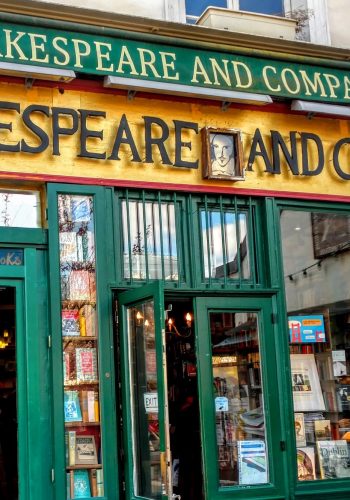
(144, 388)
(238, 391)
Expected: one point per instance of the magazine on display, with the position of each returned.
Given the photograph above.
(339, 363)
(252, 462)
(333, 457)
(307, 394)
(343, 397)
(306, 463)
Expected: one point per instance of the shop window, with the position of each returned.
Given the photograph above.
(316, 257)
(150, 248)
(20, 209)
(225, 243)
(80, 347)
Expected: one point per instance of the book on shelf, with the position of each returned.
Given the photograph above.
(68, 246)
(71, 447)
(339, 363)
(81, 209)
(93, 482)
(85, 450)
(99, 478)
(88, 312)
(88, 405)
(343, 397)
(306, 463)
(322, 429)
(72, 410)
(299, 423)
(82, 285)
(70, 322)
(81, 484)
(324, 365)
(333, 458)
(68, 486)
(252, 463)
(86, 364)
(67, 366)
(97, 406)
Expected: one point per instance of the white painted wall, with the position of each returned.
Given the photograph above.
(338, 12)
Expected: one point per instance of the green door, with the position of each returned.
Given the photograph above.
(144, 388)
(242, 443)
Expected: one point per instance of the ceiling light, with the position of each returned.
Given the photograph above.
(133, 85)
(313, 108)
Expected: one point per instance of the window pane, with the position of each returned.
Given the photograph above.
(144, 400)
(20, 209)
(222, 256)
(149, 238)
(238, 399)
(84, 469)
(316, 266)
(197, 7)
(274, 7)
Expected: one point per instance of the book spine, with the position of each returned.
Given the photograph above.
(71, 446)
(72, 484)
(93, 482)
(91, 406)
(96, 407)
(80, 250)
(84, 405)
(82, 324)
(68, 486)
(99, 478)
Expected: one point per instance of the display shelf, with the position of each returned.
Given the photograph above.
(83, 466)
(81, 424)
(79, 338)
(74, 383)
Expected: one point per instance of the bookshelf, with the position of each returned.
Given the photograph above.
(81, 384)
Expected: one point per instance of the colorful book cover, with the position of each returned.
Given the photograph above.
(70, 322)
(68, 246)
(79, 285)
(86, 364)
(333, 459)
(72, 411)
(81, 484)
(308, 329)
(252, 463)
(322, 429)
(306, 463)
(299, 429)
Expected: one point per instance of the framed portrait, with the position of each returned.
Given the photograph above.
(85, 450)
(307, 394)
(222, 154)
(330, 233)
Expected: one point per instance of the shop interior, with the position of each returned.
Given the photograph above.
(8, 410)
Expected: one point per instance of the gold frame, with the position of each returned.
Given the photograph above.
(208, 158)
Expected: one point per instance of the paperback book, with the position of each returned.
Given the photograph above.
(343, 397)
(306, 463)
(72, 411)
(85, 450)
(252, 463)
(333, 457)
(86, 364)
(299, 423)
(70, 322)
(81, 484)
(322, 429)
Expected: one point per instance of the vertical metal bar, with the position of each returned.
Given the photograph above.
(178, 247)
(129, 235)
(208, 238)
(145, 233)
(191, 243)
(161, 235)
(223, 240)
(249, 240)
(238, 238)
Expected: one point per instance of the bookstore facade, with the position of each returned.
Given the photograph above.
(175, 308)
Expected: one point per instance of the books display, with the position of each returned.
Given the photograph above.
(306, 463)
(252, 462)
(333, 457)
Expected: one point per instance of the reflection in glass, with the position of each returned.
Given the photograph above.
(316, 262)
(149, 240)
(238, 399)
(222, 256)
(144, 404)
(20, 209)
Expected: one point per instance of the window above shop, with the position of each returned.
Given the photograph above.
(194, 8)
(20, 209)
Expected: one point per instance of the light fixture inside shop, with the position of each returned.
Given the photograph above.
(133, 85)
(31, 73)
(181, 331)
(316, 108)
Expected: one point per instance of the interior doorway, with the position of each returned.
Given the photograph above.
(8, 396)
(184, 421)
